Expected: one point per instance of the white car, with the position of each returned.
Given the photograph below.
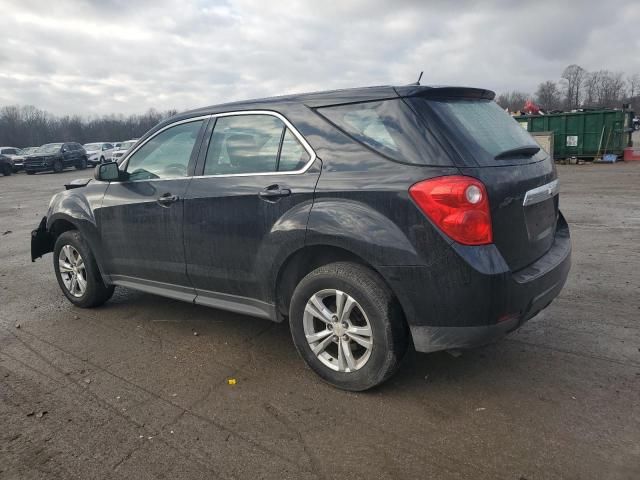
(122, 149)
(15, 157)
(99, 152)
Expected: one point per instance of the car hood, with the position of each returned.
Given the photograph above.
(41, 155)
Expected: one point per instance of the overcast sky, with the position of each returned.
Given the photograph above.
(121, 56)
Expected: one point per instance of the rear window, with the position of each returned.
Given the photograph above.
(388, 127)
(485, 125)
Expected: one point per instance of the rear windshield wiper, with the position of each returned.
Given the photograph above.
(526, 151)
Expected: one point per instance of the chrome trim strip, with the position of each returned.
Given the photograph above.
(542, 193)
(288, 124)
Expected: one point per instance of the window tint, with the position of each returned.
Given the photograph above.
(166, 155)
(244, 144)
(389, 127)
(293, 156)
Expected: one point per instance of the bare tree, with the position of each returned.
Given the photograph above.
(573, 77)
(604, 89)
(548, 96)
(633, 81)
(513, 101)
(28, 126)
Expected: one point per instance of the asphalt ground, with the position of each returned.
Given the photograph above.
(129, 390)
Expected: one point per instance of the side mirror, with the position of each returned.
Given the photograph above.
(107, 172)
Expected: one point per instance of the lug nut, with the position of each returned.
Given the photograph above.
(335, 338)
(345, 325)
(334, 319)
(330, 327)
(345, 338)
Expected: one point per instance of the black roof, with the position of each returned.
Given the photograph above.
(348, 95)
(331, 97)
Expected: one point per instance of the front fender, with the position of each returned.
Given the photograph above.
(77, 207)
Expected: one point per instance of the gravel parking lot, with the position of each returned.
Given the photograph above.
(138, 388)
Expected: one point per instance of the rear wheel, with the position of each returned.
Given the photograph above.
(77, 271)
(347, 326)
(58, 166)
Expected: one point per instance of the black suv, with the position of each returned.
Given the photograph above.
(56, 157)
(369, 218)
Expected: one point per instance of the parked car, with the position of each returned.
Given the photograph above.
(6, 165)
(122, 149)
(98, 152)
(14, 156)
(56, 157)
(369, 218)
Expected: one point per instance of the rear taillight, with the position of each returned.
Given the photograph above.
(458, 205)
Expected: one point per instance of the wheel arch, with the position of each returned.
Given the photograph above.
(306, 259)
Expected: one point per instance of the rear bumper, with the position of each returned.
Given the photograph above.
(471, 298)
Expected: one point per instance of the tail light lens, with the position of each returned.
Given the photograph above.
(458, 205)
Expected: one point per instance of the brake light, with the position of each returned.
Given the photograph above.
(458, 205)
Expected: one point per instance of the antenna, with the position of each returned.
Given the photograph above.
(419, 78)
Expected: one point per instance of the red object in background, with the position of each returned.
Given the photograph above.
(531, 108)
(631, 154)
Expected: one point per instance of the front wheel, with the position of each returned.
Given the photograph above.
(7, 169)
(82, 165)
(58, 166)
(347, 326)
(77, 271)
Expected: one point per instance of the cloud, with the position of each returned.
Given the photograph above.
(117, 56)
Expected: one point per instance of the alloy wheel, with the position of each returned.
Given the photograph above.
(72, 271)
(338, 330)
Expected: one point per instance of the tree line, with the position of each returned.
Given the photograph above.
(28, 126)
(579, 88)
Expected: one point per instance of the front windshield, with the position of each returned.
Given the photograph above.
(126, 145)
(92, 146)
(28, 150)
(50, 148)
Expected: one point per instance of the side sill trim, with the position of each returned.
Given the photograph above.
(186, 294)
(237, 304)
(223, 301)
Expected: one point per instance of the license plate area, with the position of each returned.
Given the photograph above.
(541, 219)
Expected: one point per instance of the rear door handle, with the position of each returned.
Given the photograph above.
(166, 199)
(273, 193)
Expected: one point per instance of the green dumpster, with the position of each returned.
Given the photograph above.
(584, 134)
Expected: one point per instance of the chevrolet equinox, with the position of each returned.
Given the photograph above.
(370, 219)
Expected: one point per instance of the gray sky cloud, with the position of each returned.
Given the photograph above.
(118, 56)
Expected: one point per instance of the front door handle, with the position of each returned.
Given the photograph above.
(273, 193)
(166, 199)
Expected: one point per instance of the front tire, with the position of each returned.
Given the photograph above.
(77, 271)
(7, 169)
(58, 166)
(347, 326)
(82, 165)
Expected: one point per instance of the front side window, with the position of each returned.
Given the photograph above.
(243, 144)
(166, 155)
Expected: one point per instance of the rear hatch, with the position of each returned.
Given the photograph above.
(520, 178)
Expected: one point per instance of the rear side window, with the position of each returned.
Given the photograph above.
(390, 127)
(245, 144)
(482, 123)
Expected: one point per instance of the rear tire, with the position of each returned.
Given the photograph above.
(77, 271)
(365, 346)
(58, 166)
